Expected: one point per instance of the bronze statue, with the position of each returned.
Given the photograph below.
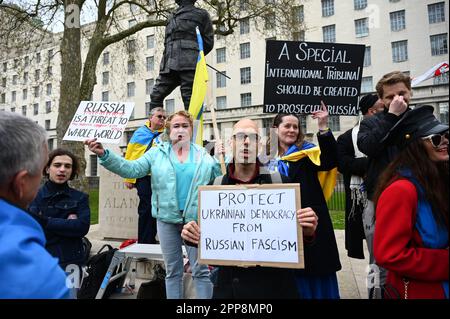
(181, 51)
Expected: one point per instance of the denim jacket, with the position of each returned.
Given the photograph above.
(51, 207)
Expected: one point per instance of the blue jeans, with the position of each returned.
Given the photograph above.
(171, 241)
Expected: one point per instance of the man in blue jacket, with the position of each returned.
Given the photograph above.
(27, 270)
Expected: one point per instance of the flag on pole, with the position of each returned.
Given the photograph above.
(196, 105)
(436, 70)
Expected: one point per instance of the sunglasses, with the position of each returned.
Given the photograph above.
(436, 139)
(160, 117)
(242, 136)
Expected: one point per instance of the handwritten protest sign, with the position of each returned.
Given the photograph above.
(247, 225)
(105, 121)
(299, 75)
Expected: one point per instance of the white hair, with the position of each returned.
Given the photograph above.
(22, 145)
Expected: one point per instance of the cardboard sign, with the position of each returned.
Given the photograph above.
(299, 75)
(105, 121)
(248, 225)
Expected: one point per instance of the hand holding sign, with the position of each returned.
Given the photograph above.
(95, 147)
(308, 219)
(191, 232)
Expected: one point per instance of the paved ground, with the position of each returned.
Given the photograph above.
(352, 277)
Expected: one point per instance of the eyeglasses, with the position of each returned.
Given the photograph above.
(242, 136)
(436, 139)
(161, 117)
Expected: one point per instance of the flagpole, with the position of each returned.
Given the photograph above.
(216, 134)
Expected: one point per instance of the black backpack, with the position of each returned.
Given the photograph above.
(97, 266)
(155, 288)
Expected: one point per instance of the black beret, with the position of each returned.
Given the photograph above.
(416, 123)
(366, 102)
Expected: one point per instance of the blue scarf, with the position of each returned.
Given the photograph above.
(433, 235)
(283, 166)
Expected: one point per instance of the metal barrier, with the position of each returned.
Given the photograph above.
(337, 200)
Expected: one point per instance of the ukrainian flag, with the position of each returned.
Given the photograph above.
(199, 92)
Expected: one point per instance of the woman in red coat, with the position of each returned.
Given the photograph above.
(411, 228)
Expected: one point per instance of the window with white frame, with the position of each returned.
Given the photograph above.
(131, 67)
(329, 33)
(397, 20)
(47, 124)
(362, 27)
(48, 106)
(14, 79)
(269, 21)
(149, 83)
(439, 44)
(35, 108)
(334, 123)
(36, 91)
(132, 23)
(221, 102)
(436, 12)
(27, 61)
(298, 36)
(147, 108)
(131, 46)
(4, 82)
(105, 96)
(221, 55)
(298, 14)
(24, 94)
(38, 57)
(50, 54)
(5, 66)
(366, 84)
(244, 26)
(25, 77)
(106, 58)
(105, 78)
(131, 87)
(359, 4)
(367, 57)
(327, 8)
(24, 110)
(221, 79)
(170, 106)
(150, 41)
(37, 75)
(243, 4)
(3, 98)
(399, 51)
(49, 89)
(246, 99)
(49, 71)
(245, 50)
(13, 96)
(246, 75)
(150, 63)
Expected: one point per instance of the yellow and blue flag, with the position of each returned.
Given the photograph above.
(199, 87)
(139, 144)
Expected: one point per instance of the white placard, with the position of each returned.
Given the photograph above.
(105, 121)
(250, 225)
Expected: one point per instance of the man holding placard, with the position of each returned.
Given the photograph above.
(253, 282)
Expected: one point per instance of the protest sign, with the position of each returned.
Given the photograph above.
(299, 75)
(105, 121)
(248, 225)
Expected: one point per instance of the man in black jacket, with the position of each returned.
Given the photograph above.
(235, 282)
(353, 166)
(394, 89)
(181, 51)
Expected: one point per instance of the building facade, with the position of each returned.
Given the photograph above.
(409, 36)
